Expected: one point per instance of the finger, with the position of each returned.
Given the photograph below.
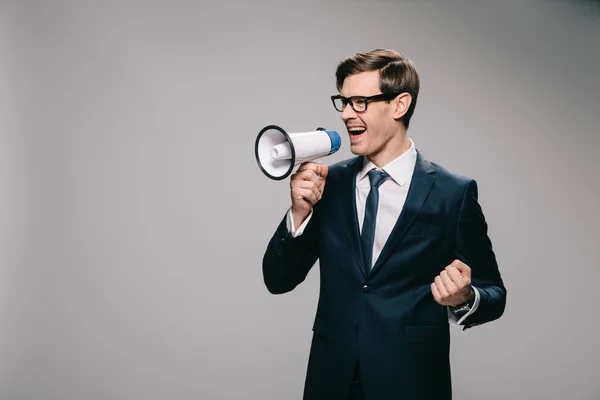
(323, 176)
(316, 193)
(321, 190)
(455, 276)
(302, 186)
(450, 286)
(305, 194)
(440, 287)
(321, 186)
(306, 175)
(462, 267)
(436, 293)
(308, 165)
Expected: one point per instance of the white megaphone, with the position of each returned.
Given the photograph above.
(278, 152)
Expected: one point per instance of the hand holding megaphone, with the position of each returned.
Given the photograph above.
(278, 152)
(307, 185)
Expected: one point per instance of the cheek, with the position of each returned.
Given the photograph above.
(375, 133)
(376, 125)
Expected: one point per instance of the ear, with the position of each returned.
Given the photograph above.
(401, 104)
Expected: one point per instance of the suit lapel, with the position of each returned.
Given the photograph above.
(348, 205)
(421, 183)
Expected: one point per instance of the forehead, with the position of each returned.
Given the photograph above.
(361, 84)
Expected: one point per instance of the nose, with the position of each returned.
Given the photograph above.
(348, 113)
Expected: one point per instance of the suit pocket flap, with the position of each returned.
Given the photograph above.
(424, 334)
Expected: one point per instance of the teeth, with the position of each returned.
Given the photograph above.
(357, 129)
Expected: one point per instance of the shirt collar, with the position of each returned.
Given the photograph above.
(399, 169)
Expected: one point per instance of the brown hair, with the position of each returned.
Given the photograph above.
(397, 74)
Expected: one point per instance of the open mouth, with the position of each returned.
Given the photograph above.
(356, 130)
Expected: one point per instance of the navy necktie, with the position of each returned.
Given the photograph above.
(368, 228)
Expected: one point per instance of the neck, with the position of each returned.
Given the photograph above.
(393, 149)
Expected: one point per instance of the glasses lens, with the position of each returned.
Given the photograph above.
(338, 104)
(359, 104)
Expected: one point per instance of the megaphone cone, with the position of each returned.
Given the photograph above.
(278, 152)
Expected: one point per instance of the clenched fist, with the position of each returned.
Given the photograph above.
(452, 287)
(307, 185)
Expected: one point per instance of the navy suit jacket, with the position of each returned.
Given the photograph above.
(387, 321)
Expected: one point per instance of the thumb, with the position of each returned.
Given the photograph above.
(324, 170)
(461, 267)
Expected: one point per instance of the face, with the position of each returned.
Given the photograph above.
(376, 132)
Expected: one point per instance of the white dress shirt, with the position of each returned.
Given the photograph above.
(392, 195)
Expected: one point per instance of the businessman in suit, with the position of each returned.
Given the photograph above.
(402, 246)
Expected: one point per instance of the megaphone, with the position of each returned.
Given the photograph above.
(278, 152)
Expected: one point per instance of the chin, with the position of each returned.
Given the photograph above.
(359, 150)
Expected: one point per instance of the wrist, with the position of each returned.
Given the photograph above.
(299, 217)
(467, 305)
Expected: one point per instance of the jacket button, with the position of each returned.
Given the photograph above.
(366, 289)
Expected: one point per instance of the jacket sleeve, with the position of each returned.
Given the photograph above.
(287, 259)
(474, 248)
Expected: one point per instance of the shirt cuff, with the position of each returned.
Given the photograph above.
(290, 223)
(453, 318)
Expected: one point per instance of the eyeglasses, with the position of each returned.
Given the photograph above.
(359, 103)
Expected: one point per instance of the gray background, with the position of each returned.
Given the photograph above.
(134, 218)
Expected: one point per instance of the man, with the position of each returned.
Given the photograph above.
(402, 246)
